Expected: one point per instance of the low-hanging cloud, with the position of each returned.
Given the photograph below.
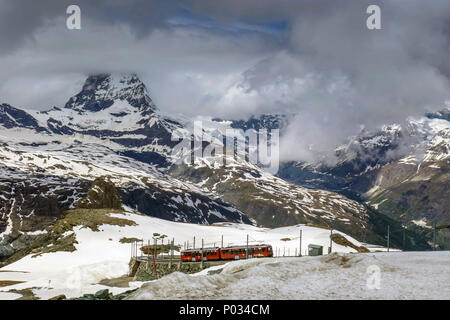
(233, 59)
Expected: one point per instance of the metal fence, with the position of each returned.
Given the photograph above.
(143, 248)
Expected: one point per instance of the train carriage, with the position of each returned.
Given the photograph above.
(227, 253)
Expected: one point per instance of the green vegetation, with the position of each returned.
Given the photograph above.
(66, 243)
(380, 223)
(54, 240)
(129, 240)
(343, 241)
(27, 293)
(120, 282)
(160, 248)
(7, 283)
(423, 193)
(89, 218)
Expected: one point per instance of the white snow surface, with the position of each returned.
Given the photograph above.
(100, 255)
(403, 275)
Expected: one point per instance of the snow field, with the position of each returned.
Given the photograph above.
(100, 255)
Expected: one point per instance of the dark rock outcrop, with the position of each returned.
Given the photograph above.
(102, 195)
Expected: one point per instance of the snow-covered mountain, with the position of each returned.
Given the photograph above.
(401, 171)
(264, 121)
(115, 108)
(48, 159)
(111, 128)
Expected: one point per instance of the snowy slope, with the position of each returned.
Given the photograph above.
(112, 128)
(42, 175)
(112, 122)
(100, 255)
(403, 275)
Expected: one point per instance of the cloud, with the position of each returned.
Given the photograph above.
(233, 59)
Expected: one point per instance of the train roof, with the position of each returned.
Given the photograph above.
(200, 249)
(228, 248)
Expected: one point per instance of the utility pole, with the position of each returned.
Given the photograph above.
(194, 244)
(221, 245)
(388, 239)
(404, 240)
(434, 237)
(201, 263)
(247, 247)
(331, 240)
(300, 251)
(171, 251)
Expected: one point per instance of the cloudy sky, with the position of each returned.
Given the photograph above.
(234, 58)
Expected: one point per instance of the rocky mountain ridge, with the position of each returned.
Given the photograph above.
(112, 129)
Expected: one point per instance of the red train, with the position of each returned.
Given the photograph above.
(227, 253)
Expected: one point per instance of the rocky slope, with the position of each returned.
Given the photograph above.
(49, 158)
(103, 194)
(401, 171)
(112, 129)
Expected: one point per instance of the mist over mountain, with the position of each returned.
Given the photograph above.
(111, 129)
(319, 62)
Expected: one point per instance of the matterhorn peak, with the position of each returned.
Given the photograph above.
(100, 91)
